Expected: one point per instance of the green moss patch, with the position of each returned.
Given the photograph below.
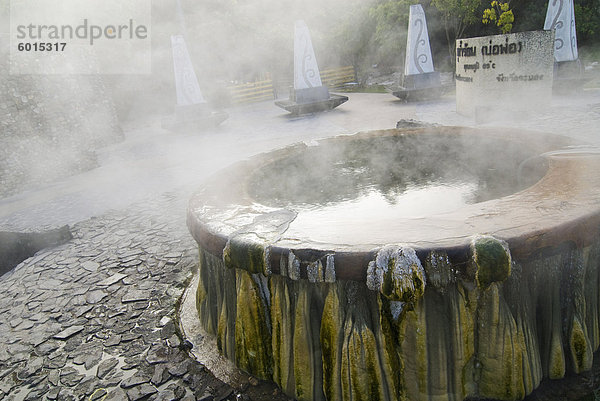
(492, 260)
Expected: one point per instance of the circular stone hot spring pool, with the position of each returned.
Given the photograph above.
(425, 264)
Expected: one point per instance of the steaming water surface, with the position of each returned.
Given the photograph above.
(408, 176)
(415, 202)
(363, 189)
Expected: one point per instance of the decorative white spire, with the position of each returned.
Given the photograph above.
(186, 83)
(561, 17)
(418, 51)
(306, 70)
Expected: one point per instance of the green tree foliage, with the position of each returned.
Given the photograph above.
(457, 16)
(587, 20)
(500, 14)
(354, 39)
(391, 22)
(529, 15)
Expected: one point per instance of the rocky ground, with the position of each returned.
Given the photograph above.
(95, 318)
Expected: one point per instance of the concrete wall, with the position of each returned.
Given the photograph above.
(500, 74)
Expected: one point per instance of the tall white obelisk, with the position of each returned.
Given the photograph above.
(306, 69)
(560, 16)
(186, 82)
(418, 58)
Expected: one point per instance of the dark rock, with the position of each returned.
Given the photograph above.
(46, 348)
(71, 379)
(139, 392)
(128, 337)
(54, 377)
(106, 366)
(168, 330)
(116, 394)
(157, 354)
(177, 389)
(35, 395)
(33, 366)
(161, 374)
(53, 393)
(87, 386)
(113, 379)
(410, 123)
(205, 397)
(179, 369)
(57, 362)
(174, 341)
(223, 394)
(115, 278)
(16, 247)
(98, 394)
(68, 332)
(166, 395)
(113, 340)
(134, 296)
(135, 380)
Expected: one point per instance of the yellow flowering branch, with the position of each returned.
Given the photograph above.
(500, 14)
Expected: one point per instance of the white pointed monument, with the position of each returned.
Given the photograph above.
(306, 69)
(418, 58)
(186, 82)
(192, 110)
(419, 80)
(560, 16)
(308, 94)
(568, 71)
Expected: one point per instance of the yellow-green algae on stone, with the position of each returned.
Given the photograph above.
(332, 322)
(244, 252)
(304, 350)
(397, 273)
(252, 334)
(491, 328)
(501, 351)
(282, 322)
(492, 259)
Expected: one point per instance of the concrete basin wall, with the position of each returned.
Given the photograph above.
(503, 294)
(341, 340)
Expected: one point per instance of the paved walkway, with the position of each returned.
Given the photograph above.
(93, 319)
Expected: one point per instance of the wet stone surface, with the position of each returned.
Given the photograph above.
(94, 319)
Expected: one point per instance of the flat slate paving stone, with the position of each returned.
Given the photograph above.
(106, 366)
(139, 392)
(134, 380)
(90, 265)
(68, 332)
(115, 278)
(93, 297)
(135, 296)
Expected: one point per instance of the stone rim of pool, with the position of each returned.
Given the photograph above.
(510, 298)
(556, 207)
